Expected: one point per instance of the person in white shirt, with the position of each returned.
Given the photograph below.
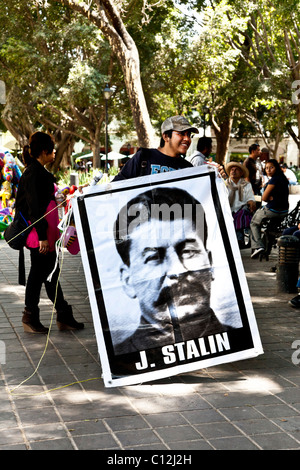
(289, 174)
(204, 147)
(241, 198)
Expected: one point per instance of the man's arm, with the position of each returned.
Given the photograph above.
(267, 193)
(131, 169)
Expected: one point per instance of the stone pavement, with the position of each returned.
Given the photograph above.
(252, 404)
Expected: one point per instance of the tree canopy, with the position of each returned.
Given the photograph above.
(240, 59)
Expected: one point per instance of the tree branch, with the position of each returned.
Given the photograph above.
(292, 134)
(289, 52)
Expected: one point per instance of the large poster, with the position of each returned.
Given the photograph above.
(166, 282)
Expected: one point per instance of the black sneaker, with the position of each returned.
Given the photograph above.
(257, 252)
(295, 302)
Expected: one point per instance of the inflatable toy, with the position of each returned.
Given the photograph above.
(65, 191)
(70, 240)
(3, 226)
(5, 193)
(2, 155)
(73, 188)
(6, 218)
(9, 178)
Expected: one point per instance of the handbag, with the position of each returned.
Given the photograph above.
(17, 232)
(242, 219)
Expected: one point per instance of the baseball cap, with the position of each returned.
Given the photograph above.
(177, 123)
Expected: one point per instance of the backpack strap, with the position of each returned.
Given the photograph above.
(197, 155)
(144, 161)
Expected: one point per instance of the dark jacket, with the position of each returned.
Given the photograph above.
(150, 162)
(35, 191)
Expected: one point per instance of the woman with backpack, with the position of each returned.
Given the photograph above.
(36, 201)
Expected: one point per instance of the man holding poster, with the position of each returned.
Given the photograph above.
(174, 143)
(161, 237)
(166, 282)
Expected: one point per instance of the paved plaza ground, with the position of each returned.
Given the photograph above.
(252, 404)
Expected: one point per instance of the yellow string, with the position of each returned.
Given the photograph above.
(47, 341)
(53, 389)
(48, 334)
(32, 225)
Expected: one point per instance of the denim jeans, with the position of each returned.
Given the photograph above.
(256, 222)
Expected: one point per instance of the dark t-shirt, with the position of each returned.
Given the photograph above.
(254, 176)
(156, 162)
(280, 193)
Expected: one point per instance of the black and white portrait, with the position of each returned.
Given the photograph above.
(162, 270)
(161, 237)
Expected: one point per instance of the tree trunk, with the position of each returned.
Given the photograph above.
(108, 19)
(295, 76)
(96, 154)
(222, 133)
(16, 132)
(298, 122)
(64, 147)
(16, 117)
(131, 71)
(294, 136)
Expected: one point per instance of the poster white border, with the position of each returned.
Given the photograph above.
(93, 200)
